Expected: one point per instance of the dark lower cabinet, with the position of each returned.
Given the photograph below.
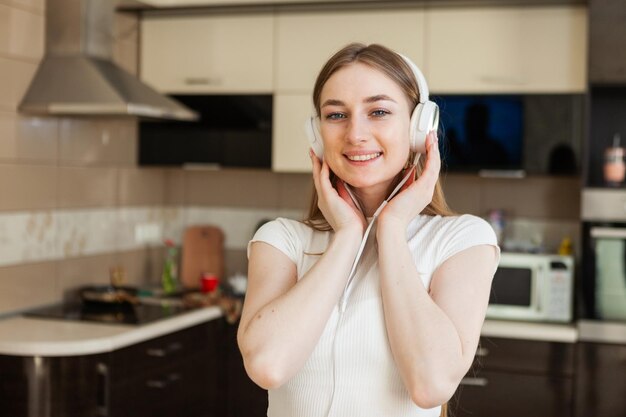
(600, 380)
(177, 375)
(518, 378)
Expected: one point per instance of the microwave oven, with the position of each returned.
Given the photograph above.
(533, 287)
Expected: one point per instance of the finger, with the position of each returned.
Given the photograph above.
(316, 169)
(433, 161)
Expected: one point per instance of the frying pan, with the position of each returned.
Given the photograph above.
(108, 295)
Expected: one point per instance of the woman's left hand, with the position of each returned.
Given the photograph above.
(414, 195)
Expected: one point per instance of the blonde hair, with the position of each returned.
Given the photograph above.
(394, 66)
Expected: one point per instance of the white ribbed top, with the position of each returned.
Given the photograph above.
(364, 380)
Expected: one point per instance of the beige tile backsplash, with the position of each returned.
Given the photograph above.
(76, 181)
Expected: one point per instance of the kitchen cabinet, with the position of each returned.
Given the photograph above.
(511, 377)
(217, 53)
(176, 374)
(290, 147)
(506, 49)
(305, 41)
(600, 380)
(607, 41)
(241, 397)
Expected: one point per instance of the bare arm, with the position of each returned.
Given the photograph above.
(283, 318)
(434, 336)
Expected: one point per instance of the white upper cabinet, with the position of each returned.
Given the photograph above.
(220, 53)
(507, 50)
(305, 41)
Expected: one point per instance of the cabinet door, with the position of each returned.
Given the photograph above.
(496, 394)
(607, 41)
(208, 54)
(508, 49)
(290, 148)
(306, 40)
(601, 380)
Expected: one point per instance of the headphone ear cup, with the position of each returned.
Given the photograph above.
(425, 117)
(312, 130)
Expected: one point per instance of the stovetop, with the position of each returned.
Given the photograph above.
(116, 314)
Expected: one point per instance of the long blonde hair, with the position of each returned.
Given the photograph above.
(392, 65)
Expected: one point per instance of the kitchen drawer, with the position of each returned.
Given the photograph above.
(187, 387)
(526, 356)
(495, 394)
(145, 357)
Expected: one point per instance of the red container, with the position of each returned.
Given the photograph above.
(209, 282)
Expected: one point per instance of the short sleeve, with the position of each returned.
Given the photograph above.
(282, 235)
(465, 232)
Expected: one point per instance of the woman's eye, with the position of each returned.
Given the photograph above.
(380, 113)
(335, 116)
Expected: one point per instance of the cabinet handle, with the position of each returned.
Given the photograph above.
(474, 382)
(482, 352)
(102, 407)
(202, 81)
(163, 352)
(163, 383)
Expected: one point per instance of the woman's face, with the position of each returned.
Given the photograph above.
(364, 121)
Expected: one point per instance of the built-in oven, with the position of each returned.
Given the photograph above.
(602, 289)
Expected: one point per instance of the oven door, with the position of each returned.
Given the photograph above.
(604, 277)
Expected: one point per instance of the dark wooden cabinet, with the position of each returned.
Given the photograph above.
(177, 375)
(607, 41)
(600, 380)
(518, 378)
(243, 398)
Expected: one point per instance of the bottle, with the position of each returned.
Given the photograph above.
(614, 166)
(169, 277)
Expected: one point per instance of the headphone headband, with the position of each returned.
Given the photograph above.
(419, 77)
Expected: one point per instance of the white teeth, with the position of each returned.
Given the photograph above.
(364, 157)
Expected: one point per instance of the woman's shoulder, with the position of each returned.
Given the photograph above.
(460, 220)
(464, 226)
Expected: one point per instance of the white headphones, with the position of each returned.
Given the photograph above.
(425, 117)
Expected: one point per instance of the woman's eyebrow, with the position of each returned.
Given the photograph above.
(371, 99)
(378, 97)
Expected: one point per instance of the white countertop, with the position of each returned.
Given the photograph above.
(28, 336)
(547, 332)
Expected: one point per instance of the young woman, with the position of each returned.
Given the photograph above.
(399, 338)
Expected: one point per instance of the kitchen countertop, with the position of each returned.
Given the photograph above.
(28, 336)
(547, 332)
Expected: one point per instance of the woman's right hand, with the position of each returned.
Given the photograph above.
(336, 204)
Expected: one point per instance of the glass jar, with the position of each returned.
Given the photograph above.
(614, 166)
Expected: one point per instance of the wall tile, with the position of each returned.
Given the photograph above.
(21, 33)
(87, 187)
(126, 38)
(15, 77)
(27, 286)
(32, 139)
(98, 141)
(535, 197)
(87, 270)
(175, 183)
(141, 187)
(463, 193)
(28, 237)
(235, 262)
(28, 187)
(143, 266)
(232, 188)
(36, 6)
(86, 232)
(295, 191)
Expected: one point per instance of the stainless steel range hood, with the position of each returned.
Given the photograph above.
(76, 76)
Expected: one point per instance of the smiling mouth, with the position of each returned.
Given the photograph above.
(365, 157)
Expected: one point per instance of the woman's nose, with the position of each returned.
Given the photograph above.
(357, 130)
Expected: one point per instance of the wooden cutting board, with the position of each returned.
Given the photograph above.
(203, 251)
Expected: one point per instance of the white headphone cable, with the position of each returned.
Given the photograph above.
(346, 291)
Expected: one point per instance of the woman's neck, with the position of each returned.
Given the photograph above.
(371, 198)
